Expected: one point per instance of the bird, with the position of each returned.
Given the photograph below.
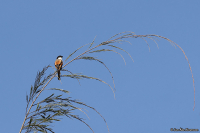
(58, 65)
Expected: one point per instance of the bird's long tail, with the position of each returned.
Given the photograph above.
(58, 74)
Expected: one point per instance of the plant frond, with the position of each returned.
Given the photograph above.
(105, 50)
(95, 59)
(75, 52)
(76, 76)
(72, 74)
(38, 79)
(95, 111)
(129, 33)
(122, 50)
(54, 106)
(78, 118)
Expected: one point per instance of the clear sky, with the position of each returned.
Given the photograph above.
(153, 94)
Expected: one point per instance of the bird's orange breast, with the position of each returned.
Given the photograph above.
(58, 64)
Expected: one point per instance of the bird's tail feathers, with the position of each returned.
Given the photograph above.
(59, 75)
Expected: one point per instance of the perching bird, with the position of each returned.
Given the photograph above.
(58, 65)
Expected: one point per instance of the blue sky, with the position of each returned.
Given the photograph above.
(153, 94)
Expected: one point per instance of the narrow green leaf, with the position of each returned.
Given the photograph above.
(30, 121)
(101, 50)
(31, 91)
(37, 106)
(88, 58)
(26, 98)
(65, 91)
(92, 42)
(49, 96)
